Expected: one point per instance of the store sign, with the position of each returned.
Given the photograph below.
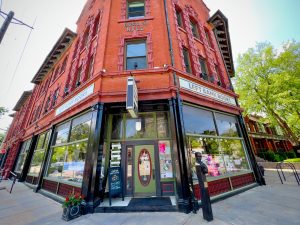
(207, 92)
(77, 98)
(132, 98)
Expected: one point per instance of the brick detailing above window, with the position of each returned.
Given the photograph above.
(180, 41)
(187, 14)
(124, 9)
(135, 35)
(92, 23)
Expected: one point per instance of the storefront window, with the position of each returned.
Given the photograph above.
(227, 125)
(80, 127)
(224, 153)
(38, 154)
(142, 127)
(62, 133)
(198, 121)
(68, 155)
(234, 155)
(162, 125)
(22, 156)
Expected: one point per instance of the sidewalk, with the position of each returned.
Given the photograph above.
(269, 205)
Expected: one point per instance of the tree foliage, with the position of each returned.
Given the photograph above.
(268, 82)
(2, 111)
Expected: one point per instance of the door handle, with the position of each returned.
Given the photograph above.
(153, 174)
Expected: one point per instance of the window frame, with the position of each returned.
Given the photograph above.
(194, 28)
(187, 59)
(179, 17)
(136, 41)
(204, 65)
(128, 6)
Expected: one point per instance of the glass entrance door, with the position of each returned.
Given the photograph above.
(144, 171)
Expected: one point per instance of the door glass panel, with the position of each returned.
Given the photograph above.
(129, 180)
(144, 167)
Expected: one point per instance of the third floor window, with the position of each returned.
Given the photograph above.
(194, 29)
(135, 8)
(203, 66)
(136, 55)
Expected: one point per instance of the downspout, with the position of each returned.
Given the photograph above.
(179, 117)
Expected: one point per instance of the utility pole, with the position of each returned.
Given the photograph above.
(5, 25)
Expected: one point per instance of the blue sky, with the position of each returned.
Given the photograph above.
(250, 21)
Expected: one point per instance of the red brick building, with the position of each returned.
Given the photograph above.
(264, 137)
(142, 85)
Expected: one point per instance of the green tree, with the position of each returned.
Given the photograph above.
(268, 82)
(2, 136)
(2, 111)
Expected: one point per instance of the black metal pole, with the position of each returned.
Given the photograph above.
(5, 25)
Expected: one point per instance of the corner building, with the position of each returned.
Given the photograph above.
(142, 85)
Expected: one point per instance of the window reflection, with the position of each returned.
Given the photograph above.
(227, 125)
(22, 156)
(80, 127)
(117, 127)
(211, 155)
(62, 133)
(142, 127)
(67, 162)
(234, 155)
(198, 121)
(221, 156)
(38, 154)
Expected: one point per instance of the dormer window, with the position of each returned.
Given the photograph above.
(135, 9)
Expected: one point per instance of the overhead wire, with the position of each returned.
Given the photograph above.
(21, 56)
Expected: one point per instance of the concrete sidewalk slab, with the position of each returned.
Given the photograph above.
(273, 204)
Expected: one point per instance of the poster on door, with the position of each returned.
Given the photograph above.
(165, 159)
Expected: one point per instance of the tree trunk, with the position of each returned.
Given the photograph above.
(287, 130)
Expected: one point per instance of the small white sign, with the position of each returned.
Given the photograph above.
(204, 91)
(77, 98)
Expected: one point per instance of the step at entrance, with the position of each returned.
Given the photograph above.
(152, 204)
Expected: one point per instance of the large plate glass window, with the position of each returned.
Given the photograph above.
(22, 156)
(136, 55)
(218, 138)
(68, 151)
(38, 154)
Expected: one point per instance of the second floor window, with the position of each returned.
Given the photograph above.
(135, 8)
(136, 55)
(187, 61)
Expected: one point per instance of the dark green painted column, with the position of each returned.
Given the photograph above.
(28, 159)
(91, 177)
(181, 165)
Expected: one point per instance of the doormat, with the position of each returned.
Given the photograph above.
(155, 201)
